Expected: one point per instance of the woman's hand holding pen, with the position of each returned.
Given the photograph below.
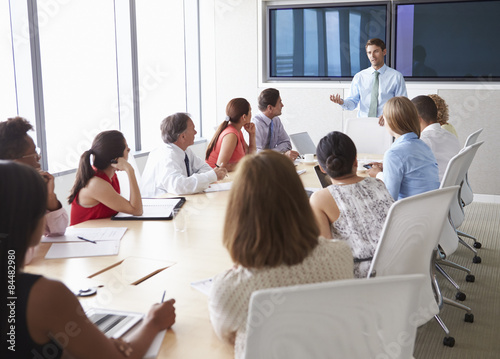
(161, 315)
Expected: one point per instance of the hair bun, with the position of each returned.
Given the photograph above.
(334, 163)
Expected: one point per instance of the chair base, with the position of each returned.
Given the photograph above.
(476, 258)
(476, 243)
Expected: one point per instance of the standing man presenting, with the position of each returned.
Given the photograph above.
(173, 167)
(269, 131)
(372, 87)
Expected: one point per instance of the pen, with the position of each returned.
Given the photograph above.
(163, 296)
(216, 165)
(85, 239)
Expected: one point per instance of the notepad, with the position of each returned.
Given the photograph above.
(94, 234)
(217, 187)
(154, 208)
(83, 249)
(203, 286)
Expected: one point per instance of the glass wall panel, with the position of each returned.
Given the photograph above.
(78, 64)
(8, 107)
(161, 57)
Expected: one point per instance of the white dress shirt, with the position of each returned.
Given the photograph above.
(391, 84)
(165, 172)
(443, 144)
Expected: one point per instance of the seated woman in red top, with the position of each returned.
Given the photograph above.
(96, 192)
(228, 145)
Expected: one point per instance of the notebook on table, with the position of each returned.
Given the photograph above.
(154, 209)
(113, 323)
(117, 324)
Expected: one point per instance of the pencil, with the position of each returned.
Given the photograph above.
(163, 296)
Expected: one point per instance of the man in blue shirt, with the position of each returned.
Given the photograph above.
(269, 131)
(372, 87)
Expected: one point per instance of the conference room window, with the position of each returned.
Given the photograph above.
(8, 106)
(161, 65)
(74, 69)
(79, 72)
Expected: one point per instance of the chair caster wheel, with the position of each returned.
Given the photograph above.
(449, 341)
(477, 245)
(469, 318)
(460, 296)
(470, 278)
(476, 259)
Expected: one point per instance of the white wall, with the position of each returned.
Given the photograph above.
(235, 28)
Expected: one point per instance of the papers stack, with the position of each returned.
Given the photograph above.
(107, 242)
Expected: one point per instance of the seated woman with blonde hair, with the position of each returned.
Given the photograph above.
(96, 192)
(228, 146)
(49, 320)
(409, 166)
(272, 237)
(352, 208)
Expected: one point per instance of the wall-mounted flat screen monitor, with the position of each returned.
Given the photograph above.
(452, 40)
(323, 42)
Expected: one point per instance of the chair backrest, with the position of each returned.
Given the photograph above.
(455, 174)
(466, 191)
(303, 143)
(368, 135)
(472, 138)
(410, 234)
(352, 318)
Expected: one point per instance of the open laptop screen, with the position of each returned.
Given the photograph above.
(303, 143)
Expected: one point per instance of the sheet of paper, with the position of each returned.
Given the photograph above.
(155, 346)
(217, 187)
(203, 286)
(83, 249)
(94, 234)
(155, 208)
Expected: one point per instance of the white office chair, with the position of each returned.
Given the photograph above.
(467, 194)
(353, 319)
(408, 245)
(448, 243)
(454, 175)
(368, 135)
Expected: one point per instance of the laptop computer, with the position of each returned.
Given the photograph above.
(303, 143)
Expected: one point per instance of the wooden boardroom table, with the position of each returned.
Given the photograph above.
(192, 255)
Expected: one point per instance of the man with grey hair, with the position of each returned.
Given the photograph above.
(173, 167)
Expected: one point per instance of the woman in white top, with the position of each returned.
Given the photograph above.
(272, 238)
(353, 208)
